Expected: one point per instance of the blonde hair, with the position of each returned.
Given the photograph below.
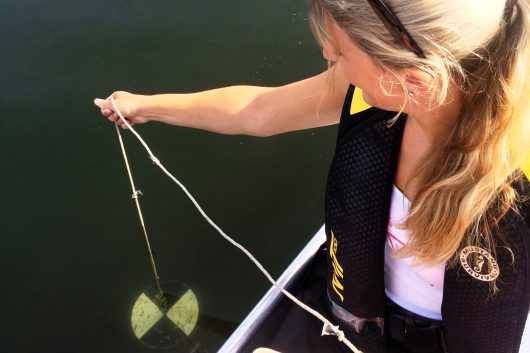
(465, 184)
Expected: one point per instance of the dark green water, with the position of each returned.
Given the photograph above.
(73, 256)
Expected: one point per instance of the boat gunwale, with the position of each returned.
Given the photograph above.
(240, 337)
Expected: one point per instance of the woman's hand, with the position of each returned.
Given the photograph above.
(129, 105)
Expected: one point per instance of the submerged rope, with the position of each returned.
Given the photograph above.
(134, 196)
(328, 328)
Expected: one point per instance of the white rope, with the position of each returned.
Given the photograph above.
(328, 329)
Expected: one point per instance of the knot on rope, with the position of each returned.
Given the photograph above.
(136, 193)
(328, 330)
(155, 160)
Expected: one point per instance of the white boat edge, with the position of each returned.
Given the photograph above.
(273, 295)
(240, 336)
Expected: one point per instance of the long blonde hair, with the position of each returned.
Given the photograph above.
(465, 184)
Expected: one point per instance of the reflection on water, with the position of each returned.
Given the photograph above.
(73, 256)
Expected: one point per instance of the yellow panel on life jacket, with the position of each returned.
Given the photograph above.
(357, 103)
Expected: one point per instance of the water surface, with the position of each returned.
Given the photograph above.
(73, 255)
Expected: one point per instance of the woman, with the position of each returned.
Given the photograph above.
(427, 249)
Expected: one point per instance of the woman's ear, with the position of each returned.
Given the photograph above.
(418, 81)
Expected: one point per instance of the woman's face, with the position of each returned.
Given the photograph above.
(361, 70)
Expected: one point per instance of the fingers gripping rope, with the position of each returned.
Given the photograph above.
(328, 328)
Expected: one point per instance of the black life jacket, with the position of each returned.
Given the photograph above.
(358, 195)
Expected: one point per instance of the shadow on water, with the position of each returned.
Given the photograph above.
(218, 326)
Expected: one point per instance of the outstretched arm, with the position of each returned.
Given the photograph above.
(249, 110)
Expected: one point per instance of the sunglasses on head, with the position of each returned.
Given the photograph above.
(395, 27)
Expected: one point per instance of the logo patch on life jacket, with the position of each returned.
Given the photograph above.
(338, 272)
(479, 263)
